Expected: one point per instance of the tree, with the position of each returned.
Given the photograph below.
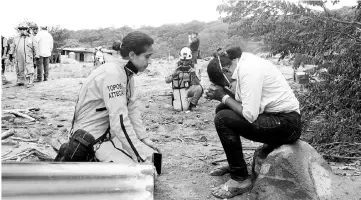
(89, 37)
(60, 35)
(332, 39)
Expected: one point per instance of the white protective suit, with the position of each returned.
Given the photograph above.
(24, 51)
(107, 93)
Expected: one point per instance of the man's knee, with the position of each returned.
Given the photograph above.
(198, 90)
(220, 107)
(219, 118)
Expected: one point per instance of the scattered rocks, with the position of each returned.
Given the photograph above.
(64, 130)
(45, 132)
(203, 139)
(167, 106)
(8, 117)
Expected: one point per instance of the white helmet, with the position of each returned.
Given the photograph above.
(185, 53)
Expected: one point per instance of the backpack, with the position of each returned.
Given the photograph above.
(184, 78)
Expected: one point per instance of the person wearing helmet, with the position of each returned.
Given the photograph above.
(184, 78)
(24, 52)
(45, 47)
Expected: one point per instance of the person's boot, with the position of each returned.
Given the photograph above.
(45, 78)
(19, 82)
(191, 106)
(30, 81)
(4, 81)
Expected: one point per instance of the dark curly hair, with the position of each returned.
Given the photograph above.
(234, 52)
(136, 41)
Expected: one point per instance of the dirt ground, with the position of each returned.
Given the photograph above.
(188, 140)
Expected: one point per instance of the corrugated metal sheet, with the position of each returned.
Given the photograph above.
(55, 181)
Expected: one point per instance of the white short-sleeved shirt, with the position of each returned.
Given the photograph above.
(261, 87)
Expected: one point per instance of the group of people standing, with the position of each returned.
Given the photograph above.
(29, 51)
(256, 103)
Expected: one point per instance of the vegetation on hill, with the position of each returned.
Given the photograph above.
(306, 31)
(313, 34)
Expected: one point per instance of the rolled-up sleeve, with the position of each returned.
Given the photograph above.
(251, 84)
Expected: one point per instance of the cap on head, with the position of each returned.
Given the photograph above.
(23, 26)
(34, 26)
(185, 53)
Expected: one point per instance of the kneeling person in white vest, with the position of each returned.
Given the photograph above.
(186, 86)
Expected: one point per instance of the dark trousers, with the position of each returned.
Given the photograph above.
(2, 66)
(43, 65)
(273, 129)
(194, 56)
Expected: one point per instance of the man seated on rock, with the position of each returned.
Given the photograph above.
(186, 77)
(263, 109)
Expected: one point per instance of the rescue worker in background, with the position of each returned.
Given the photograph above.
(99, 57)
(186, 79)
(109, 92)
(4, 55)
(194, 45)
(45, 44)
(24, 52)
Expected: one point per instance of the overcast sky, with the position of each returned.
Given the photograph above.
(90, 14)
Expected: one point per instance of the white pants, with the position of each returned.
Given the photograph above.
(107, 153)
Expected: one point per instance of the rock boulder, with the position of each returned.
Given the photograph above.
(293, 171)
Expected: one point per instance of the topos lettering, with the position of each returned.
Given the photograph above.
(115, 90)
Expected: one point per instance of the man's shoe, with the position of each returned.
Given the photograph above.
(37, 80)
(45, 79)
(29, 85)
(191, 106)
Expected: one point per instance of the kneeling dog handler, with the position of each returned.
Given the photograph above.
(107, 125)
